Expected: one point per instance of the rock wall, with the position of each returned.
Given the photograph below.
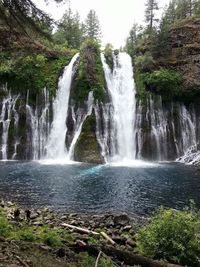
(185, 53)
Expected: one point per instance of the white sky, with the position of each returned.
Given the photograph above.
(116, 16)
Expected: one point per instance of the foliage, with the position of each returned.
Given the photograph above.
(108, 53)
(92, 26)
(165, 82)
(151, 7)
(90, 76)
(171, 235)
(23, 16)
(132, 40)
(25, 234)
(88, 261)
(5, 227)
(144, 62)
(51, 238)
(69, 30)
(31, 72)
(142, 93)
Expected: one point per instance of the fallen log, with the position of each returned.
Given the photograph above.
(123, 256)
(132, 258)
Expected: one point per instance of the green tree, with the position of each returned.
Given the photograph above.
(92, 26)
(151, 7)
(183, 9)
(196, 8)
(69, 30)
(24, 16)
(132, 40)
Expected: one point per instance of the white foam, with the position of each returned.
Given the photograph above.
(134, 164)
(62, 161)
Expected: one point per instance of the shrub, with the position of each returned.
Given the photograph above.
(171, 235)
(5, 227)
(145, 62)
(51, 238)
(165, 82)
(26, 235)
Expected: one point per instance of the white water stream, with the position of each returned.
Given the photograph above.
(121, 88)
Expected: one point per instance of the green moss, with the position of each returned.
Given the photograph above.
(90, 76)
(87, 148)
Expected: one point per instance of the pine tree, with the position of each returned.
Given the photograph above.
(24, 16)
(132, 39)
(151, 7)
(92, 26)
(182, 9)
(196, 8)
(69, 30)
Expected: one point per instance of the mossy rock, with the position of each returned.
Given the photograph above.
(87, 148)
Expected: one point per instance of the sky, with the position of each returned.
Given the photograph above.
(116, 16)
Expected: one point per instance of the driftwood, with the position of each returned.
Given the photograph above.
(123, 256)
(97, 260)
(79, 229)
(86, 231)
(107, 238)
(21, 261)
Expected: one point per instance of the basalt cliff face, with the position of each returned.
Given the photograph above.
(185, 51)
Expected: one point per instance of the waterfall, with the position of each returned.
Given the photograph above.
(102, 128)
(8, 104)
(56, 148)
(121, 88)
(78, 122)
(165, 131)
(38, 120)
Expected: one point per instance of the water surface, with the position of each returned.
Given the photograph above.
(90, 188)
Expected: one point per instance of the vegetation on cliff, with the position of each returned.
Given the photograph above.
(90, 74)
(164, 53)
(31, 72)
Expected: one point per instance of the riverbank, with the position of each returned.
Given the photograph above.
(41, 237)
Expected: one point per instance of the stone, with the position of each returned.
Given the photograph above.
(60, 253)
(33, 216)
(122, 219)
(127, 228)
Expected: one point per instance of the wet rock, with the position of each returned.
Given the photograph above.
(121, 240)
(122, 219)
(10, 204)
(80, 243)
(60, 253)
(34, 216)
(63, 218)
(127, 228)
(38, 223)
(130, 242)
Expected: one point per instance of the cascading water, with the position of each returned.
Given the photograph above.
(78, 122)
(5, 118)
(56, 148)
(39, 125)
(121, 88)
(165, 132)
